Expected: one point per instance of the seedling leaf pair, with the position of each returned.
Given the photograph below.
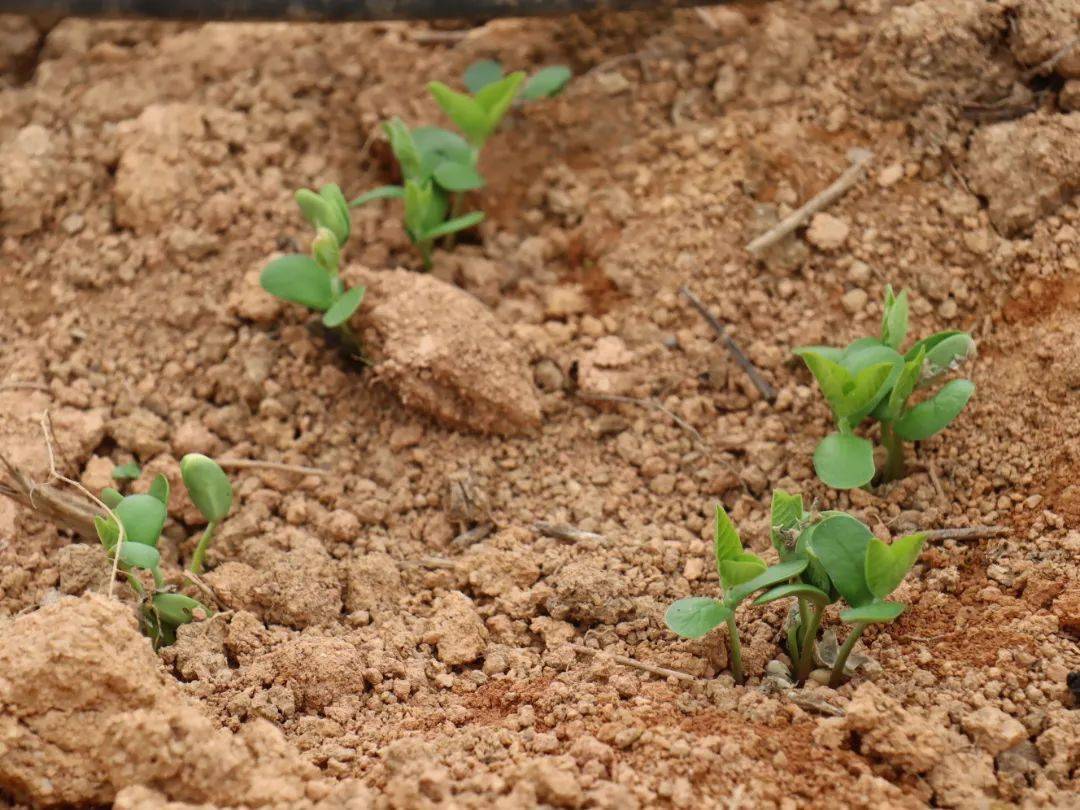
(478, 115)
(545, 83)
(870, 378)
(314, 281)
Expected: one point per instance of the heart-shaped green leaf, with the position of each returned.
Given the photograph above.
(844, 461)
(874, 612)
(469, 116)
(770, 576)
(887, 565)
(480, 74)
(177, 609)
(380, 193)
(868, 389)
(839, 543)
(815, 573)
(948, 353)
(159, 488)
(802, 589)
(437, 144)
(299, 279)
(457, 176)
(695, 616)
(343, 308)
(143, 517)
(931, 416)
(126, 472)
(454, 225)
(496, 99)
(738, 571)
(546, 82)
(139, 555)
(727, 545)
(894, 320)
(207, 485)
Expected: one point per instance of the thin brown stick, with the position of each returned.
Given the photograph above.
(813, 704)
(473, 535)
(663, 672)
(851, 176)
(562, 531)
(646, 403)
(25, 385)
(255, 464)
(931, 469)
(1048, 65)
(969, 533)
(736, 352)
(54, 473)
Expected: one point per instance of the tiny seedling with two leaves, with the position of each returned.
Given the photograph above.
(314, 281)
(139, 520)
(822, 559)
(871, 379)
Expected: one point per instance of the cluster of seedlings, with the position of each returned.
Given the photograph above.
(131, 532)
(824, 558)
(437, 168)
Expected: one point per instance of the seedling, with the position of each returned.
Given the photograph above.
(142, 517)
(126, 472)
(822, 559)
(437, 166)
(870, 378)
(314, 281)
(545, 83)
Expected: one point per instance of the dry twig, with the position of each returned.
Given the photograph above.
(647, 403)
(255, 464)
(1048, 65)
(663, 672)
(562, 531)
(473, 535)
(968, 533)
(25, 385)
(859, 158)
(736, 352)
(812, 704)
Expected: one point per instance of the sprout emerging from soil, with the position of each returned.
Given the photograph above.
(314, 281)
(437, 167)
(823, 558)
(142, 516)
(871, 379)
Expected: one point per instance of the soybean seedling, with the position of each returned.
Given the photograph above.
(314, 281)
(142, 516)
(545, 83)
(822, 559)
(437, 167)
(695, 616)
(870, 378)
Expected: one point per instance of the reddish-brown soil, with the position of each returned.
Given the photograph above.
(362, 655)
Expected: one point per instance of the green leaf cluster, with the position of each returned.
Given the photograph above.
(872, 379)
(545, 83)
(135, 525)
(822, 559)
(436, 167)
(314, 280)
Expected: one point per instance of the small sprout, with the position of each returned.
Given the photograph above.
(314, 281)
(126, 472)
(143, 518)
(545, 83)
(437, 167)
(871, 379)
(822, 559)
(211, 492)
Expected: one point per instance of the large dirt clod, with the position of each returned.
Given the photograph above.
(440, 350)
(86, 710)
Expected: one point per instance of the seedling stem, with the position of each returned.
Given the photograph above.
(736, 651)
(200, 549)
(894, 448)
(837, 677)
(806, 647)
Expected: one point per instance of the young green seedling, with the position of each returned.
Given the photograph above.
(695, 616)
(314, 281)
(437, 167)
(870, 378)
(142, 517)
(822, 559)
(545, 83)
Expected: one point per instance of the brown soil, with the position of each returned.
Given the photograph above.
(364, 657)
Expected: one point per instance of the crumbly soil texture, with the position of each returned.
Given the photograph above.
(393, 630)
